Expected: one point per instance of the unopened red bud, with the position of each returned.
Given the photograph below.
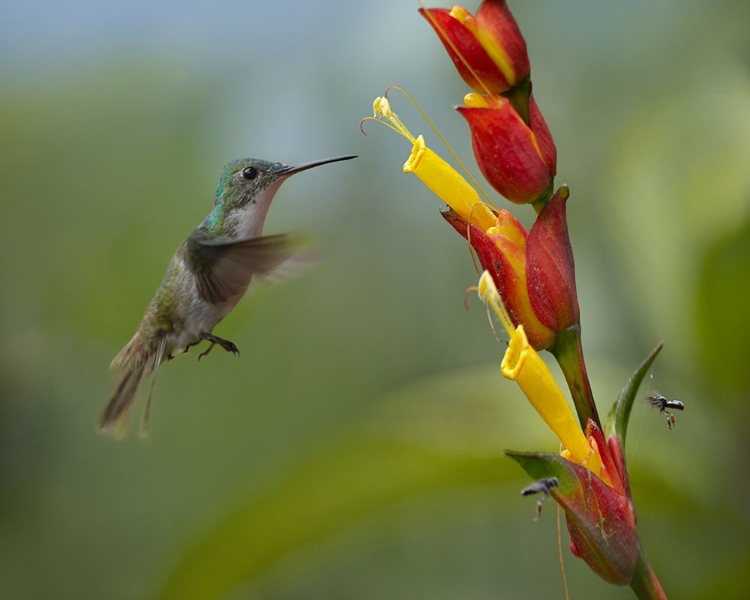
(550, 266)
(501, 252)
(488, 50)
(517, 163)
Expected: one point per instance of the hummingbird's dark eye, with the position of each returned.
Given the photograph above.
(249, 172)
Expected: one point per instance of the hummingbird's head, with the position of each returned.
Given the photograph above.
(245, 191)
(242, 180)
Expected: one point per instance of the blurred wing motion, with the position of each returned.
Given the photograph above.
(223, 268)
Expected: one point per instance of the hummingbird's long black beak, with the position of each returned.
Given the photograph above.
(312, 164)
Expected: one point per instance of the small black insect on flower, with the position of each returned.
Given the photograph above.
(544, 487)
(656, 400)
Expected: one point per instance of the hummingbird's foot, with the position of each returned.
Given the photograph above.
(226, 344)
(205, 352)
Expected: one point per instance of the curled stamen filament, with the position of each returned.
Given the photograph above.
(382, 113)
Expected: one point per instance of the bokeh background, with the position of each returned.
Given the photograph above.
(354, 450)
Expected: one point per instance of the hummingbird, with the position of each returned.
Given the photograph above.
(205, 279)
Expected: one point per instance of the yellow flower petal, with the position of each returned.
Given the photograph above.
(474, 100)
(448, 184)
(523, 365)
(464, 16)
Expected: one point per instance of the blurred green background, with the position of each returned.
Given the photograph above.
(354, 450)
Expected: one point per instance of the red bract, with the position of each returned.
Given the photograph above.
(600, 518)
(518, 160)
(602, 528)
(488, 50)
(543, 136)
(533, 272)
(550, 267)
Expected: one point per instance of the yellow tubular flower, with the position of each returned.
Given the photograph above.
(446, 183)
(523, 365)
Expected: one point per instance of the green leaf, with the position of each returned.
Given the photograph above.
(542, 465)
(354, 480)
(617, 420)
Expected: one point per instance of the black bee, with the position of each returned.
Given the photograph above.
(656, 400)
(544, 487)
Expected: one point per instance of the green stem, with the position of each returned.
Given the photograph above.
(568, 352)
(544, 197)
(645, 584)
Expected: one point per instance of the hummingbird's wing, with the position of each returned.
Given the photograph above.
(223, 267)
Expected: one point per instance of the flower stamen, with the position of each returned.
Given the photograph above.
(383, 114)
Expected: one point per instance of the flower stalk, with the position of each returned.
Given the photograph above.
(528, 280)
(645, 583)
(568, 351)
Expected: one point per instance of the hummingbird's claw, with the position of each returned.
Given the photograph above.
(226, 344)
(205, 352)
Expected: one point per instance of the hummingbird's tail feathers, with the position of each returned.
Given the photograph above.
(116, 412)
(132, 354)
(135, 362)
(157, 363)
